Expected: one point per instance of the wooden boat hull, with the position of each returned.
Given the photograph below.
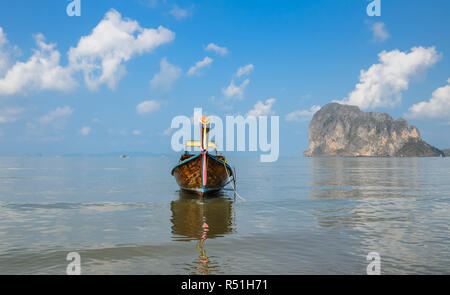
(189, 173)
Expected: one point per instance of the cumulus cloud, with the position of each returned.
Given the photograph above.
(179, 13)
(4, 58)
(41, 71)
(11, 114)
(379, 31)
(7, 53)
(233, 91)
(86, 130)
(136, 132)
(148, 106)
(245, 70)
(198, 65)
(58, 113)
(222, 51)
(382, 84)
(302, 115)
(102, 54)
(437, 107)
(166, 78)
(237, 91)
(261, 108)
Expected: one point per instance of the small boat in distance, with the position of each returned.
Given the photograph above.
(123, 156)
(202, 172)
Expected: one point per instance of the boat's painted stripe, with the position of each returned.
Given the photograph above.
(204, 172)
(221, 162)
(201, 189)
(185, 161)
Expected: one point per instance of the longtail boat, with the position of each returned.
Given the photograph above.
(203, 172)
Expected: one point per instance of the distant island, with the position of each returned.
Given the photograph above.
(345, 131)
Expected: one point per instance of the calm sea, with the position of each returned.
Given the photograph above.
(296, 216)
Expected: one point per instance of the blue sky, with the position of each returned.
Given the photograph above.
(302, 54)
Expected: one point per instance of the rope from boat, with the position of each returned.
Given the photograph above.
(232, 184)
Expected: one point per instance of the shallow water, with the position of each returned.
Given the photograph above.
(300, 216)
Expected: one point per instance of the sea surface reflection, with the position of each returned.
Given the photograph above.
(297, 216)
(397, 207)
(201, 219)
(364, 177)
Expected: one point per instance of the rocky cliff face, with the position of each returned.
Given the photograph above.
(344, 130)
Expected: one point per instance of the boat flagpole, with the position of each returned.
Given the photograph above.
(204, 125)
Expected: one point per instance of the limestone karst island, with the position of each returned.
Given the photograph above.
(345, 131)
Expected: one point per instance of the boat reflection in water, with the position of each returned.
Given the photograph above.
(194, 219)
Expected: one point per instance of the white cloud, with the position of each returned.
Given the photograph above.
(137, 132)
(3, 39)
(437, 107)
(302, 115)
(41, 71)
(148, 106)
(245, 70)
(58, 113)
(235, 91)
(382, 84)
(262, 109)
(198, 65)
(179, 13)
(101, 55)
(86, 130)
(379, 31)
(4, 58)
(7, 52)
(9, 115)
(50, 126)
(166, 78)
(222, 51)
